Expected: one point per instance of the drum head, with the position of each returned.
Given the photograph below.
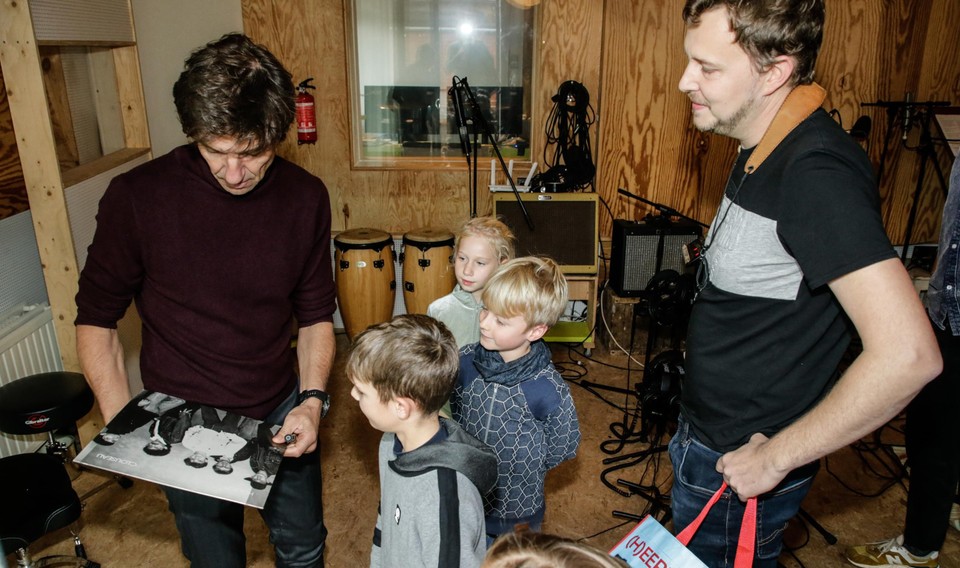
(428, 237)
(362, 238)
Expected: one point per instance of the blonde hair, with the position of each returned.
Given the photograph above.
(524, 549)
(529, 286)
(412, 356)
(497, 233)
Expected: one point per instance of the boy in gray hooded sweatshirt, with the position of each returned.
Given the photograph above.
(433, 475)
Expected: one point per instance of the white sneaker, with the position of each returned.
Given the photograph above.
(955, 516)
(889, 554)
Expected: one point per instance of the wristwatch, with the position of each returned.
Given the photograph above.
(318, 394)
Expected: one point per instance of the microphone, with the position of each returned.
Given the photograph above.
(461, 119)
(906, 116)
(861, 128)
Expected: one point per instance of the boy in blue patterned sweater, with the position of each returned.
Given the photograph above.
(510, 396)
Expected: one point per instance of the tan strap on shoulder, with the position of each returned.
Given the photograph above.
(799, 104)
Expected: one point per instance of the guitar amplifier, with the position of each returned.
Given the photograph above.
(637, 247)
(564, 227)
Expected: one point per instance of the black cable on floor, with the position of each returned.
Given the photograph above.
(604, 531)
(888, 468)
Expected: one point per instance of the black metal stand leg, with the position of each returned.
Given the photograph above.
(657, 504)
(827, 535)
(927, 153)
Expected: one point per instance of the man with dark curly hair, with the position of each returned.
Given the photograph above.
(224, 247)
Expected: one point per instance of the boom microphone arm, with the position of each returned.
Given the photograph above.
(478, 118)
(668, 211)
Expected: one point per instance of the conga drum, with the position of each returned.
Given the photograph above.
(366, 278)
(427, 262)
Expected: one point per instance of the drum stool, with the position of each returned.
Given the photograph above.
(36, 494)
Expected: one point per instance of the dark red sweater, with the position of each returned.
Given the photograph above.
(217, 279)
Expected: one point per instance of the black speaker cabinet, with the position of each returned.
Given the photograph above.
(564, 227)
(635, 249)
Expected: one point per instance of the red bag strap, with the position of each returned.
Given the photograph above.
(748, 529)
(748, 536)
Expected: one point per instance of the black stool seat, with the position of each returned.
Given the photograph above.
(44, 402)
(36, 497)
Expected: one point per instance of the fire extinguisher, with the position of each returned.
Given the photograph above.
(306, 114)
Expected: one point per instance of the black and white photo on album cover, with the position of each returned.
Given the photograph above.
(167, 440)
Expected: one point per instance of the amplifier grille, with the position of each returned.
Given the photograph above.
(634, 253)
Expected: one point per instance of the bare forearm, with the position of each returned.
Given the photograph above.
(871, 392)
(316, 348)
(900, 355)
(102, 362)
(315, 351)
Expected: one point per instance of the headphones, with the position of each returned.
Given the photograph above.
(670, 296)
(660, 390)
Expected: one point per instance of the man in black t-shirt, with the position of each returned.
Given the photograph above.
(796, 248)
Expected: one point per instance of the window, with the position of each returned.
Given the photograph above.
(405, 57)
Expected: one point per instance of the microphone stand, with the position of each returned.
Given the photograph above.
(892, 114)
(663, 209)
(927, 153)
(464, 125)
(477, 118)
(925, 149)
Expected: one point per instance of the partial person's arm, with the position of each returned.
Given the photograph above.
(551, 404)
(376, 552)
(316, 348)
(102, 363)
(562, 432)
(900, 355)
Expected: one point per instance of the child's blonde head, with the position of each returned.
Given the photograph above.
(526, 549)
(496, 233)
(529, 286)
(412, 356)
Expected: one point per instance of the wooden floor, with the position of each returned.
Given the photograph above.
(132, 527)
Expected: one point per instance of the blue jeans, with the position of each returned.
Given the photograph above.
(533, 526)
(211, 530)
(696, 480)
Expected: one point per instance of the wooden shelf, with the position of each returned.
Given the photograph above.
(581, 287)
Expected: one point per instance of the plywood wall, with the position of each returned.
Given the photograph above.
(13, 190)
(628, 53)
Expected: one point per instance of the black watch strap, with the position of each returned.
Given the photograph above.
(318, 394)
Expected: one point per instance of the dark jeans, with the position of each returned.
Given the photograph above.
(211, 530)
(933, 451)
(696, 480)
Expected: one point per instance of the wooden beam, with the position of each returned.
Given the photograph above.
(13, 191)
(133, 107)
(20, 61)
(41, 172)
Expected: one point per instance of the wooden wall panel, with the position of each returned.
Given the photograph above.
(648, 144)
(55, 87)
(568, 48)
(629, 55)
(309, 37)
(939, 80)
(879, 51)
(13, 190)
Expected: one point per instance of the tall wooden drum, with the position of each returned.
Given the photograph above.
(366, 278)
(427, 261)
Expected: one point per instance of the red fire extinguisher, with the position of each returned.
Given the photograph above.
(306, 114)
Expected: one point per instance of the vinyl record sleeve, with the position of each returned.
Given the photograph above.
(169, 441)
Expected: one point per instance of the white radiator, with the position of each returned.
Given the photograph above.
(28, 345)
